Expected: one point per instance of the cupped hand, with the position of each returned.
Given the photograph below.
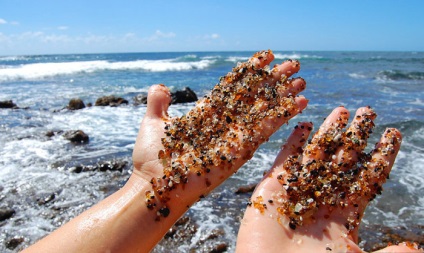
(314, 196)
(185, 158)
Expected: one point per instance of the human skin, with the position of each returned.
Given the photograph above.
(326, 230)
(123, 222)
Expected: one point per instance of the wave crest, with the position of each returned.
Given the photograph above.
(398, 75)
(44, 70)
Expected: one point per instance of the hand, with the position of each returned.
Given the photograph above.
(177, 161)
(313, 198)
(185, 158)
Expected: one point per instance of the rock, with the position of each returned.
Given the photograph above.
(52, 133)
(140, 99)
(181, 231)
(182, 221)
(13, 242)
(376, 237)
(110, 101)
(45, 198)
(77, 169)
(8, 104)
(246, 189)
(213, 235)
(222, 247)
(76, 136)
(6, 213)
(186, 95)
(114, 165)
(76, 104)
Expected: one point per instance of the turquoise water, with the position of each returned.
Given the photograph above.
(33, 166)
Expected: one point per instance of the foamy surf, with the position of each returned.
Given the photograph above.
(34, 167)
(44, 70)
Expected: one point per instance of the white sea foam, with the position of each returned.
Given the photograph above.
(277, 56)
(417, 101)
(43, 70)
(357, 76)
(236, 58)
(12, 58)
(296, 56)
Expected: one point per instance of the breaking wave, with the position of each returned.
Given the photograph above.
(44, 70)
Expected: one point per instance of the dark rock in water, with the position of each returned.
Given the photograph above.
(46, 198)
(222, 247)
(14, 242)
(140, 99)
(115, 165)
(186, 95)
(213, 235)
(8, 104)
(181, 231)
(76, 104)
(246, 189)
(110, 101)
(112, 165)
(76, 136)
(52, 133)
(6, 213)
(182, 221)
(374, 237)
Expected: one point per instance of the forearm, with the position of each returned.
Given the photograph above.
(120, 223)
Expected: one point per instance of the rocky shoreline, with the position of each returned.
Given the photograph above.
(372, 237)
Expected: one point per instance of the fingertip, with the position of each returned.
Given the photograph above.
(262, 58)
(394, 132)
(297, 85)
(158, 100)
(304, 126)
(338, 115)
(366, 111)
(301, 102)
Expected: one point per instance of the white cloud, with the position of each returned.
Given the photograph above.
(62, 28)
(54, 41)
(4, 22)
(161, 35)
(215, 36)
(212, 36)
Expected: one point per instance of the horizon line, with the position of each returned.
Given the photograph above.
(212, 51)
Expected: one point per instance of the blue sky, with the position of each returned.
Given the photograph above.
(92, 26)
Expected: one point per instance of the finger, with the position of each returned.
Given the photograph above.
(261, 59)
(279, 78)
(294, 86)
(274, 119)
(355, 139)
(158, 100)
(254, 65)
(326, 140)
(382, 159)
(285, 70)
(294, 144)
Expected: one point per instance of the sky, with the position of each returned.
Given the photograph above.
(93, 26)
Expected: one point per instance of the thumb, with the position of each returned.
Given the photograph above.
(158, 100)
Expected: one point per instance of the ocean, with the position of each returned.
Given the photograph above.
(38, 183)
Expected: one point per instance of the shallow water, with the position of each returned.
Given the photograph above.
(35, 171)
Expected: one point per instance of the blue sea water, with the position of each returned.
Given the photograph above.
(33, 166)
